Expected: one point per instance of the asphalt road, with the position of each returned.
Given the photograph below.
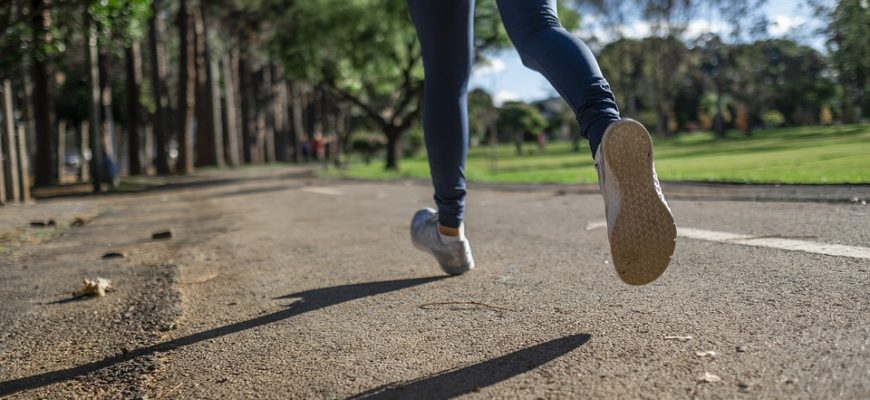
(275, 285)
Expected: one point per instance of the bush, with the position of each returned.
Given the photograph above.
(367, 145)
(772, 118)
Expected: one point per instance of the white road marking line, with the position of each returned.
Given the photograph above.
(595, 225)
(323, 190)
(775, 243)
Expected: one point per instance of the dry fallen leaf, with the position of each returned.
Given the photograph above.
(709, 378)
(680, 338)
(97, 287)
(708, 353)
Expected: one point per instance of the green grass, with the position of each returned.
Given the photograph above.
(835, 154)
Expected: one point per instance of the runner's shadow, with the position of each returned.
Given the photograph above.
(310, 300)
(456, 382)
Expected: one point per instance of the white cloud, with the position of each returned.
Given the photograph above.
(641, 29)
(783, 24)
(636, 30)
(492, 66)
(697, 27)
(503, 96)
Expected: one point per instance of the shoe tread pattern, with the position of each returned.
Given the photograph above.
(643, 235)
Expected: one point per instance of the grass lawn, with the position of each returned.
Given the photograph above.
(834, 154)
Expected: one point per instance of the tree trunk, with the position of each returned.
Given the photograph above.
(95, 143)
(61, 150)
(46, 167)
(26, 108)
(206, 153)
(161, 124)
(217, 115)
(342, 130)
(260, 138)
(232, 131)
(281, 118)
(661, 119)
(148, 147)
(394, 148)
(267, 144)
(107, 134)
(8, 163)
(249, 122)
(161, 119)
(23, 165)
(317, 112)
(133, 56)
(298, 123)
(186, 89)
(84, 151)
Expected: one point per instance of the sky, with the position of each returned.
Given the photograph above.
(507, 78)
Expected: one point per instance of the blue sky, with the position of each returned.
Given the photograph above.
(508, 79)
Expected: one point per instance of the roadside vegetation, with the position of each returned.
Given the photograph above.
(811, 155)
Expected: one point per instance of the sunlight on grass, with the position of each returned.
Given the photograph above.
(839, 154)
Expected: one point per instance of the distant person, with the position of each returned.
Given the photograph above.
(640, 226)
(541, 140)
(318, 146)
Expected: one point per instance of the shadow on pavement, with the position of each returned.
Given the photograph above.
(310, 300)
(456, 382)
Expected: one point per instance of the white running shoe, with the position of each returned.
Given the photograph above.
(640, 226)
(453, 256)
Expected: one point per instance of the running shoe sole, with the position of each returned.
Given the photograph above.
(643, 235)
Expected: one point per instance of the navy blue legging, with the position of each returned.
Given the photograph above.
(445, 29)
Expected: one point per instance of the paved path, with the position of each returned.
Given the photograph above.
(279, 286)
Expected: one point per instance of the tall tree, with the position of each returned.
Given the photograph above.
(159, 90)
(133, 57)
(848, 30)
(186, 88)
(232, 130)
(95, 143)
(43, 108)
(518, 120)
(206, 145)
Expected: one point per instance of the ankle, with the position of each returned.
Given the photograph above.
(449, 235)
(448, 231)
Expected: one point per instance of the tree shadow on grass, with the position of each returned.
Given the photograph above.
(456, 382)
(310, 300)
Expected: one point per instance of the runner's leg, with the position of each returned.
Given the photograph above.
(445, 32)
(533, 27)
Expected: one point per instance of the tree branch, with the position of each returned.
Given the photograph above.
(358, 102)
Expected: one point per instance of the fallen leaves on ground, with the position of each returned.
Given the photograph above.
(96, 287)
(709, 378)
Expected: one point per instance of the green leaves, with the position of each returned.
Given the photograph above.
(517, 117)
(120, 21)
